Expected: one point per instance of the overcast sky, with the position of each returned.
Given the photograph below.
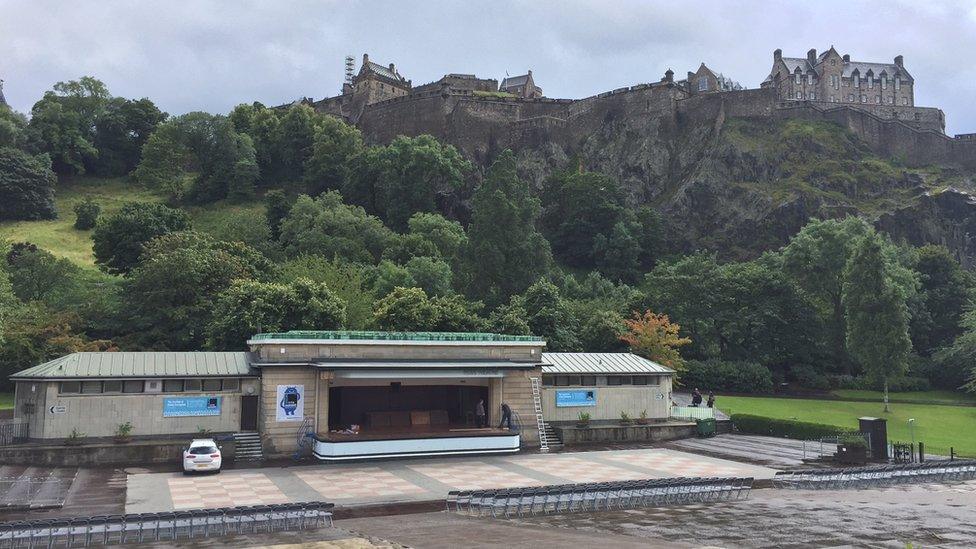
(211, 55)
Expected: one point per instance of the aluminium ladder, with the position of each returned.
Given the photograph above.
(540, 422)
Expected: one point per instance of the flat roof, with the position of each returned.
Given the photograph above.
(153, 364)
(600, 363)
(318, 336)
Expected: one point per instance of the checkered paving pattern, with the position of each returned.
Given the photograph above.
(674, 464)
(574, 469)
(474, 475)
(224, 490)
(358, 483)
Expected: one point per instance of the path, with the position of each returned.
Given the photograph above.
(684, 399)
(415, 480)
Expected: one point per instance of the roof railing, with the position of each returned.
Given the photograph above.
(394, 336)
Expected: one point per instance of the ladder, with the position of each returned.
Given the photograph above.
(540, 422)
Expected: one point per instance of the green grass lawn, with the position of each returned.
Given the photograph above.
(6, 401)
(921, 397)
(938, 426)
(59, 236)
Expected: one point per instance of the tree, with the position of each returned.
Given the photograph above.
(509, 319)
(956, 363)
(172, 292)
(431, 274)
(388, 276)
(945, 291)
(447, 236)
(277, 206)
(347, 281)
(86, 214)
(601, 332)
(656, 338)
(326, 226)
(36, 275)
(26, 186)
(8, 303)
(63, 123)
(404, 247)
(506, 253)
(334, 146)
(406, 310)
(249, 306)
(13, 128)
(549, 317)
(876, 315)
(579, 208)
(119, 239)
(165, 156)
(121, 129)
(296, 134)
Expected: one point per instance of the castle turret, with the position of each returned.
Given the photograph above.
(668, 76)
(900, 61)
(777, 55)
(847, 58)
(812, 56)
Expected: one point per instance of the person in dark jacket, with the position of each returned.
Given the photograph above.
(506, 417)
(711, 399)
(479, 412)
(696, 397)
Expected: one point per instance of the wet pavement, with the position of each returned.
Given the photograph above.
(922, 515)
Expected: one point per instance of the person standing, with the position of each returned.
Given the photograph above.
(506, 417)
(696, 397)
(479, 413)
(711, 399)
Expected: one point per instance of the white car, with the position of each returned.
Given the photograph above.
(202, 454)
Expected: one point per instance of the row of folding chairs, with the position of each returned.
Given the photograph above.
(596, 496)
(174, 525)
(874, 476)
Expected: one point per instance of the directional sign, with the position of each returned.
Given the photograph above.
(58, 409)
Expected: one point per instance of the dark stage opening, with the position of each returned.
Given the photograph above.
(405, 407)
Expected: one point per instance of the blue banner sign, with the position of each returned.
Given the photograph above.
(575, 398)
(191, 406)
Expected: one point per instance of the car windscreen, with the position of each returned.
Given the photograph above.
(203, 450)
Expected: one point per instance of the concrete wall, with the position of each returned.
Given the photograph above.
(515, 389)
(280, 438)
(100, 454)
(570, 434)
(611, 400)
(99, 415)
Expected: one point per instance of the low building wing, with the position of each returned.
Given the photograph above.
(600, 363)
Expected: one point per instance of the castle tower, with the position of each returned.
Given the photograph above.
(3, 100)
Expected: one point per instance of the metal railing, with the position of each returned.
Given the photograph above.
(14, 432)
(873, 477)
(174, 526)
(597, 496)
(692, 412)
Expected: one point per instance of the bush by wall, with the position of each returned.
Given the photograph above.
(895, 385)
(732, 377)
(787, 428)
(808, 377)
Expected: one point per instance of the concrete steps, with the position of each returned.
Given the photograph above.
(555, 443)
(247, 447)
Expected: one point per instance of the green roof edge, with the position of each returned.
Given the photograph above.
(392, 336)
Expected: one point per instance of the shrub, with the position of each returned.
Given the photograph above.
(809, 377)
(903, 384)
(786, 428)
(733, 377)
(86, 214)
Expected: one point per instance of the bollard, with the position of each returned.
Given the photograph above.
(921, 452)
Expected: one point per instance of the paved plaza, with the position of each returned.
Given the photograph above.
(415, 480)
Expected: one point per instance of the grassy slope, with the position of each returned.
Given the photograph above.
(939, 427)
(62, 239)
(6, 401)
(920, 397)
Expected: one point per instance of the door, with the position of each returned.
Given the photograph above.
(249, 413)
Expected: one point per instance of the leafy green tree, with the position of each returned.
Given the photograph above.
(165, 156)
(957, 362)
(388, 276)
(86, 214)
(406, 310)
(119, 239)
(63, 123)
(347, 281)
(876, 314)
(506, 253)
(326, 226)
(509, 319)
(277, 205)
(8, 303)
(601, 332)
(456, 314)
(172, 292)
(249, 306)
(447, 236)
(334, 146)
(431, 274)
(410, 175)
(121, 129)
(579, 208)
(13, 128)
(36, 275)
(550, 317)
(26, 186)
(296, 133)
(404, 247)
(944, 292)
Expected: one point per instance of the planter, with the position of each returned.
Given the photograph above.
(642, 422)
(585, 425)
(123, 440)
(626, 423)
(853, 455)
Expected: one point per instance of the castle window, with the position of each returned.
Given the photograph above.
(904, 101)
(857, 81)
(864, 98)
(833, 99)
(897, 83)
(812, 96)
(835, 81)
(703, 84)
(797, 76)
(799, 95)
(884, 82)
(833, 62)
(850, 98)
(810, 79)
(870, 81)
(877, 99)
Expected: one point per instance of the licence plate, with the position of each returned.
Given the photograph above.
(202, 465)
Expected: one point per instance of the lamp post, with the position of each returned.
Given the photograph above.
(911, 428)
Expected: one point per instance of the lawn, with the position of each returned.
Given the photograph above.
(6, 401)
(920, 397)
(59, 236)
(938, 426)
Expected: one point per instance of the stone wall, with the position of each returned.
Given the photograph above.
(280, 438)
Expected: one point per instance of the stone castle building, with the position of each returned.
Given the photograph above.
(3, 100)
(521, 86)
(833, 78)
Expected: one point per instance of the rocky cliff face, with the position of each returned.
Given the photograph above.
(743, 186)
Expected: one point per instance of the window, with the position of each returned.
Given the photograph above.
(639, 380)
(70, 387)
(904, 101)
(833, 62)
(133, 386)
(835, 81)
(172, 385)
(897, 83)
(870, 81)
(797, 75)
(548, 381)
(877, 99)
(884, 82)
(192, 385)
(833, 99)
(613, 380)
(91, 387)
(812, 96)
(112, 386)
(588, 381)
(850, 98)
(864, 98)
(703, 84)
(211, 385)
(799, 95)
(857, 81)
(810, 79)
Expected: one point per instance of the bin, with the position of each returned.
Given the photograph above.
(706, 427)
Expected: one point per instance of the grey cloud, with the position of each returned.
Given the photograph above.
(211, 55)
